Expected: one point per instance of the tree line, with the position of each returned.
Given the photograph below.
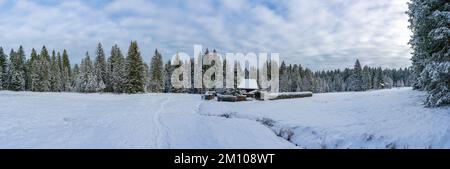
(52, 72)
(295, 78)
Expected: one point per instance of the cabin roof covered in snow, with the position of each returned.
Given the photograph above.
(248, 84)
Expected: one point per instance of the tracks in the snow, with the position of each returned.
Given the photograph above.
(162, 135)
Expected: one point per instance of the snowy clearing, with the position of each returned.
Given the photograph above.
(377, 119)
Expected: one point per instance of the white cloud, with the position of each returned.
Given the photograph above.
(235, 5)
(136, 6)
(318, 34)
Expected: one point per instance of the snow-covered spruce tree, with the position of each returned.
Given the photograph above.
(74, 83)
(338, 82)
(147, 77)
(377, 81)
(33, 73)
(135, 71)
(43, 70)
(116, 71)
(66, 76)
(307, 81)
(396, 78)
(356, 79)
(294, 79)
(55, 74)
(284, 77)
(16, 70)
(299, 78)
(156, 73)
(27, 75)
(168, 70)
(290, 78)
(9, 72)
(346, 73)
(59, 61)
(366, 78)
(439, 84)
(420, 18)
(4, 67)
(17, 80)
(439, 65)
(1, 78)
(100, 68)
(388, 82)
(429, 22)
(79, 77)
(87, 79)
(61, 75)
(21, 67)
(407, 77)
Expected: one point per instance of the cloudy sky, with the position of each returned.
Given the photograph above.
(320, 34)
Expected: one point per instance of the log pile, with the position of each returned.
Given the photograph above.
(284, 95)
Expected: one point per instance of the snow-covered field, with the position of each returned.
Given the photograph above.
(377, 119)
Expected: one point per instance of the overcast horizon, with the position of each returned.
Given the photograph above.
(316, 34)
